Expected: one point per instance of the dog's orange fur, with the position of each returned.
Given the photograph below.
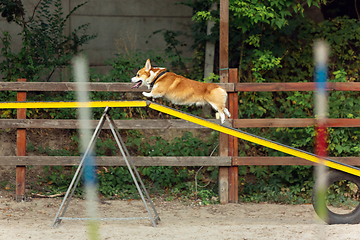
(182, 91)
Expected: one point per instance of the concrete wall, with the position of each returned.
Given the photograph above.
(121, 25)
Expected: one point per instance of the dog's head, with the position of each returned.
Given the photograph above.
(146, 75)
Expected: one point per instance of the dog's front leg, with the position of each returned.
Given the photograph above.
(156, 92)
(151, 94)
(147, 94)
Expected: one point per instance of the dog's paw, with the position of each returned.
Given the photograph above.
(146, 94)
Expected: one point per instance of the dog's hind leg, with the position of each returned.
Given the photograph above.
(217, 100)
(226, 111)
(222, 117)
(220, 111)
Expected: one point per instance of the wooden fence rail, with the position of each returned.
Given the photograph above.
(164, 124)
(167, 161)
(126, 87)
(115, 161)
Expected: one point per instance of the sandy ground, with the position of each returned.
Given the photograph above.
(32, 220)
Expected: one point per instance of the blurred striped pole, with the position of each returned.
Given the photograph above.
(321, 55)
(81, 75)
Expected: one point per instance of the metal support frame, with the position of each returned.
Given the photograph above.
(130, 164)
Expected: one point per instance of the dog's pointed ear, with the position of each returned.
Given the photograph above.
(147, 65)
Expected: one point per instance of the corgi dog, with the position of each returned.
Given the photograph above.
(180, 90)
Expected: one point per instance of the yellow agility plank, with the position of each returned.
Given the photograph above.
(91, 104)
(258, 140)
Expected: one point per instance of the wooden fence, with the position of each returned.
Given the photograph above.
(228, 152)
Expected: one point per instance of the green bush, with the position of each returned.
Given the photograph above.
(116, 182)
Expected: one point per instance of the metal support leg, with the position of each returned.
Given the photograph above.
(60, 214)
(78, 172)
(129, 161)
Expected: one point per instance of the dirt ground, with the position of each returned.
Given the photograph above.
(32, 220)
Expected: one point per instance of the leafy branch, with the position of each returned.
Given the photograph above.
(45, 47)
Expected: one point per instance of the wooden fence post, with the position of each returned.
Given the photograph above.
(21, 148)
(224, 78)
(223, 171)
(233, 141)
